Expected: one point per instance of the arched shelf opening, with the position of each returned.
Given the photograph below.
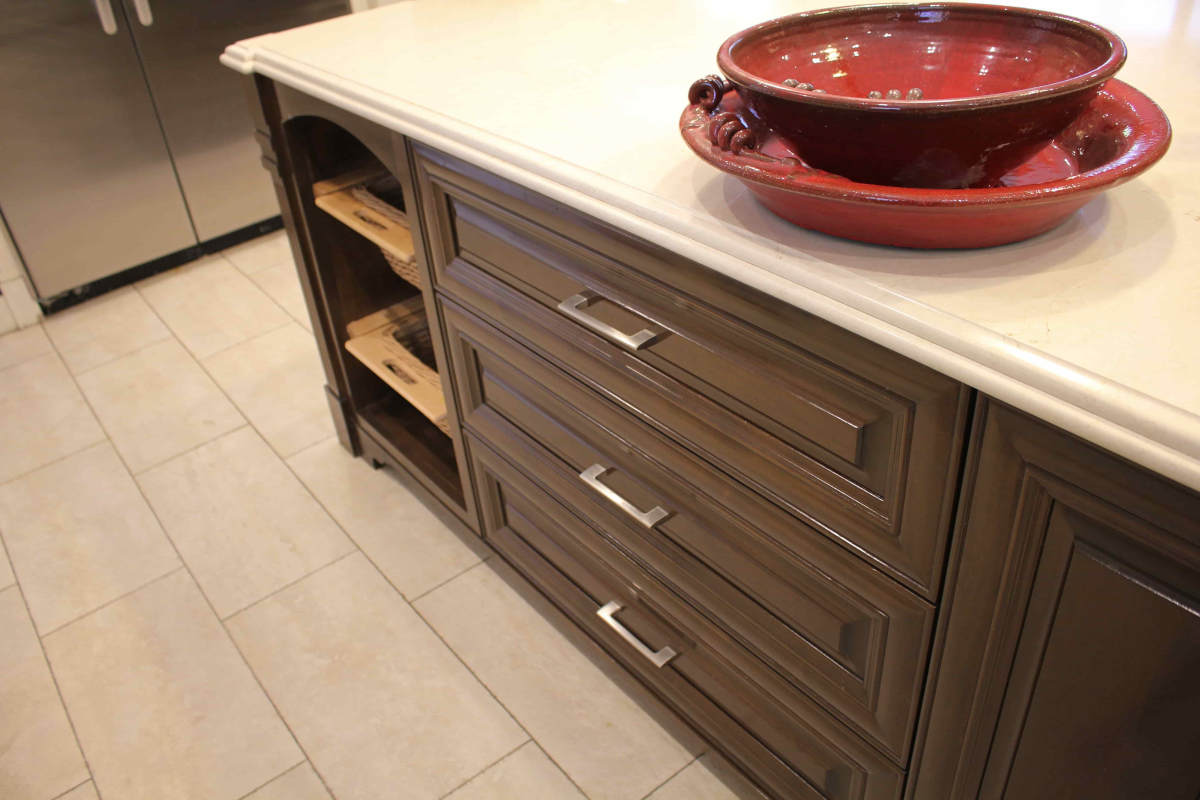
(371, 291)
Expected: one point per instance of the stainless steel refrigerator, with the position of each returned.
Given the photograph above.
(122, 139)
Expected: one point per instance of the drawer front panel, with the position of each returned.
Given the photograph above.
(838, 630)
(793, 757)
(855, 441)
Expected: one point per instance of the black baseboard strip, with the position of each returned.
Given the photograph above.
(125, 277)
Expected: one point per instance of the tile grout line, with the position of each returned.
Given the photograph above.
(467, 667)
(672, 776)
(24, 361)
(487, 688)
(135, 351)
(289, 585)
(483, 560)
(199, 588)
(227, 348)
(229, 637)
(50, 669)
(291, 265)
(258, 288)
(224, 626)
(108, 603)
(485, 769)
(73, 788)
(269, 781)
(62, 458)
(252, 426)
(183, 453)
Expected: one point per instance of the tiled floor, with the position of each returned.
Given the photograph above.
(203, 596)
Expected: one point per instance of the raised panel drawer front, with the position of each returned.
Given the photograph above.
(854, 440)
(667, 646)
(836, 629)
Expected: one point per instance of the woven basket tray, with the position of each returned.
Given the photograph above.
(369, 195)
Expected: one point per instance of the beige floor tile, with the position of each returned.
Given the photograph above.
(23, 345)
(84, 791)
(277, 381)
(6, 574)
(596, 732)
(163, 704)
(7, 321)
(42, 416)
(157, 403)
(709, 777)
(81, 534)
(281, 282)
(20, 300)
(412, 547)
(209, 305)
(39, 758)
(103, 329)
(242, 522)
(526, 774)
(375, 698)
(298, 783)
(258, 254)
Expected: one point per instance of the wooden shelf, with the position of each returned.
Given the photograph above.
(341, 198)
(379, 342)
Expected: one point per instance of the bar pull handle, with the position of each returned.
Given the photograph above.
(144, 14)
(650, 518)
(658, 658)
(108, 20)
(573, 307)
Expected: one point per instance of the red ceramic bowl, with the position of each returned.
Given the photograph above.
(1119, 135)
(996, 85)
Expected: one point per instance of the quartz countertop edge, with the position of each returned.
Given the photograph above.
(1141, 428)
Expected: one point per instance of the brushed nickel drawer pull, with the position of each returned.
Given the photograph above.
(573, 307)
(650, 518)
(657, 658)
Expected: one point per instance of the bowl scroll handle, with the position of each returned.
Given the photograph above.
(726, 130)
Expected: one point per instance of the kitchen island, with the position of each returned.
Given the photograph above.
(878, 522)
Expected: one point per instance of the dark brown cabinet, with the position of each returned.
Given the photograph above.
(1070, 649)
(856, 577)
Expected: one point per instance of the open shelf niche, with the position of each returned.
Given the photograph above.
(377, 307)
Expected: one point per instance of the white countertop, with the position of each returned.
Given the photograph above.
(1094, 327)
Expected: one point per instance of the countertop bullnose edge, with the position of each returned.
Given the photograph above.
(1140, 428)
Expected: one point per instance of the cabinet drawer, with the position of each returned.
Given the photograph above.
(853, 439)
(836, 629)
(793, 757)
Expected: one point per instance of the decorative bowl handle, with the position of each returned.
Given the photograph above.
(726, 129)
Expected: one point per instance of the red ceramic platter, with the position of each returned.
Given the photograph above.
(1121, 133)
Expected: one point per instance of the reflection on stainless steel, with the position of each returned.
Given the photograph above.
(108, 21)
(203, 107)
(144, 14)
(88, 186)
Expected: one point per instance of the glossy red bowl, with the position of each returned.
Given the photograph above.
(1119, 135)
(996, 85)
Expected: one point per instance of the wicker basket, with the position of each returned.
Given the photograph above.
(372, 195)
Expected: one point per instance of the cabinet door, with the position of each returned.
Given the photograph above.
(1071, 666)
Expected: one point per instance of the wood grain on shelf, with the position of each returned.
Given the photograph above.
(421, 386)
(391, 236)
(345, 180)
(405, 309)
